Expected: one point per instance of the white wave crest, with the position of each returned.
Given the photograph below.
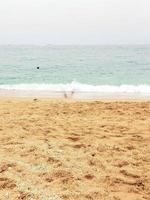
(79, 87)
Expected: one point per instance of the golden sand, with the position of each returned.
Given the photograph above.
(61, 150)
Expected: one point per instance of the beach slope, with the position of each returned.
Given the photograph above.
(74, 150)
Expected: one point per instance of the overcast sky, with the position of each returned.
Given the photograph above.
(74, 22)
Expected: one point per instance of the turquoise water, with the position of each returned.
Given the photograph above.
(90, 65)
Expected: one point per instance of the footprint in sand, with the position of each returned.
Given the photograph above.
(78, 146)
(89, 176)
(6, 183)
(74, 139)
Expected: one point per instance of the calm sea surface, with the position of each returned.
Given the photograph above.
(84, 65)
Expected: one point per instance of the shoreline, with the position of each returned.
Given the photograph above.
(71, 95)
(63, 100)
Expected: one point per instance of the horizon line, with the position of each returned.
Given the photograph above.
(123, 44)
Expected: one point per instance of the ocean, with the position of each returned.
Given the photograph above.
(112, 69)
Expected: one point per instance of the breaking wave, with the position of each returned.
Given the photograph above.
(79, 87)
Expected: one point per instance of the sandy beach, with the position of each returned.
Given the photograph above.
(74, 150)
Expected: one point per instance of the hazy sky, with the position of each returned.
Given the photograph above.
(74, 21)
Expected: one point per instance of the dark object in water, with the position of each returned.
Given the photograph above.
(38, 68)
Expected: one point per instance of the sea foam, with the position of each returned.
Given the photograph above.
(79, 87)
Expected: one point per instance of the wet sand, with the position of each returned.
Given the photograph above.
(74, 150)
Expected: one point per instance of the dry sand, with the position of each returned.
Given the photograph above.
(61, 150)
